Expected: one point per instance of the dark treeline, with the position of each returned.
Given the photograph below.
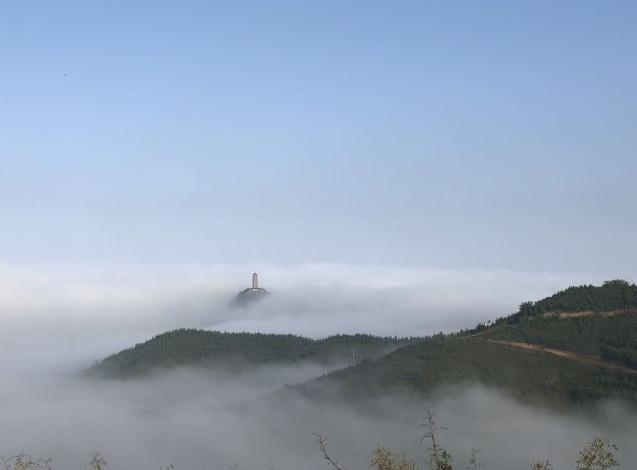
(612, 295)
(202, 348)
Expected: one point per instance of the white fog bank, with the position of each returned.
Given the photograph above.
(210, 421)
(86, 311)
(57, 319)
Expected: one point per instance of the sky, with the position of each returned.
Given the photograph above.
(451, 135)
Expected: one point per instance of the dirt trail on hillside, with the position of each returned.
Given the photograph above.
(586, 313)
(592, 360)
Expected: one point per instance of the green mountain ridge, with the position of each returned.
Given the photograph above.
(611, 296)
(534, 376)
(238, 351)
(536, 354)
(548, 360)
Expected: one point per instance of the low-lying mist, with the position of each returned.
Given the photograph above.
(57, 320)
(199, 420)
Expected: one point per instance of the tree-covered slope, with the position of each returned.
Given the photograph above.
(431, 365)
(612, 338)
(548, 359)
(213, 349)
(611, 296)
(576, 346)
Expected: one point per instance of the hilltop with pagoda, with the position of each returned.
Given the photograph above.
(250, 294)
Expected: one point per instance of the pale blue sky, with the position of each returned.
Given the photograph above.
(495, 134)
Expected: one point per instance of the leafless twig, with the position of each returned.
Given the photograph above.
(323, 446)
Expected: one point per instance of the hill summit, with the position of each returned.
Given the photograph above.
(250, 294)
(611, 297)
(238, 352)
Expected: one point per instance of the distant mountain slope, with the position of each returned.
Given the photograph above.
(611, 296)
(612, 338)
(538, 358)
(432, 365)
(213, 349)
(575, 347)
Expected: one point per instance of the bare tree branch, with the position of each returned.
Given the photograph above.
(323, 446)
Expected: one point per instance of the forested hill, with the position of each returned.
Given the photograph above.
(578, 347)
(238, 351)
(611, 296)
(574, 347)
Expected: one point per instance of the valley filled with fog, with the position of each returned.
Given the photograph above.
(58, 320)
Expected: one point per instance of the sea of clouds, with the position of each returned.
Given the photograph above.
(56, 320)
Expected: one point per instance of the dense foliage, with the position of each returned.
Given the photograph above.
(436, 364)
(611, 296)
(202, 348)
(536, 354)
(611, 337)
